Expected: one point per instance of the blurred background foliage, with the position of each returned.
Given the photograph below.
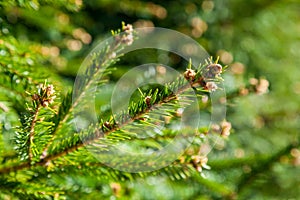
(255, 38)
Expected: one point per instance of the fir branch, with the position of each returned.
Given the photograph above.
(105, 130)
(108, 58)
(61, 118)
(221, 164)
(218, 188)
(31, 131)
(175, 171)
(11, 93)
(34, 123)
(264, 165)
(12, 72)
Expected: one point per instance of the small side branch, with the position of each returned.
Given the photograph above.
(120, 41)
(43, 98)
(31, 132)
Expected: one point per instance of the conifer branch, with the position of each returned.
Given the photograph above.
(10, 91)
(31, 131)
(20, 75)
(97, 69)
(196, 80)
(265, 165)
(221, 189)
(43, 98)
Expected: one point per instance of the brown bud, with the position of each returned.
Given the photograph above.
(35, 97)
(148, 101)
(45, 103)
(107, 125)
(213, 70)
(189, 74)
(211, 86)
(50, 90)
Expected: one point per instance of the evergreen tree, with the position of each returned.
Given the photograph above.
(45, 155)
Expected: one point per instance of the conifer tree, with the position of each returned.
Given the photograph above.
(48, 152)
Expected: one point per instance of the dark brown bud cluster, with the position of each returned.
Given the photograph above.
(45, 95)
(212, 71)
(148, 101)
(211, 86)
(127, 37)
(109, 125)
(189, 74)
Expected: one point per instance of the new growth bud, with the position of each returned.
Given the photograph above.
(127, 37)
(45, 95)
(189, 74)
(148, 101)
(213, 70)
(211, 86)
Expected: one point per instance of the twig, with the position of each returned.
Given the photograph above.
(74, 104)
(96, 134)
(264, 166)
(31, 132)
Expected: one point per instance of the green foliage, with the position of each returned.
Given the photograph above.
(43, 155)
